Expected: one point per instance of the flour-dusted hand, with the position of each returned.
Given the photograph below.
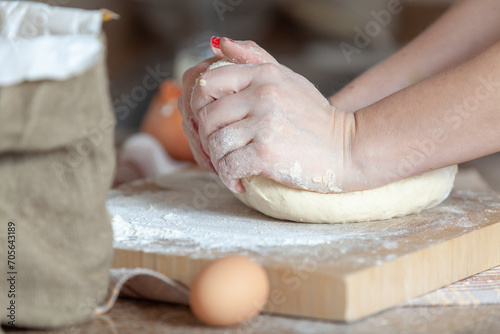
(242, 52)
(264, 119)
(189, 122)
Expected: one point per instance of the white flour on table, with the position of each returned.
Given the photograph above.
(192, 213)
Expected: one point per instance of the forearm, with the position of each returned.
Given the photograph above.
(467, 29)
(448, 119)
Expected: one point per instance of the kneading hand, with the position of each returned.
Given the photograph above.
(264, 119)
(246, 52)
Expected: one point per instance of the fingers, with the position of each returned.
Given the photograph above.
(189, 77)
(223, 112)
(189, 123)
(201, 158)
(239, 164)
(230, 138)
(217, 83)
(241, 52)
(188, 81)
(226, 80)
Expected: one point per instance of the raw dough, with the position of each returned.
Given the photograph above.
(399, 198)
(219, 64)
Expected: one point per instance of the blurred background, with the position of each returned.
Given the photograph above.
(162, 38)
(168, 36)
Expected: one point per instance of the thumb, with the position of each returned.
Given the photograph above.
(240, 52)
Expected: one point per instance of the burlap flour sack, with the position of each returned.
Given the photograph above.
(56, 163)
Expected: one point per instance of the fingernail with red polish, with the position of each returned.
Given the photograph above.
(194, 124)
(229, 39)
(215, 42)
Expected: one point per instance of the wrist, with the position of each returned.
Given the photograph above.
(346, 165)
(366, 161)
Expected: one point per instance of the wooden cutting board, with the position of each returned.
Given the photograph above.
(178, 223)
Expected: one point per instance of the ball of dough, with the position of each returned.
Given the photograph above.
(219, 63)
(403, 197)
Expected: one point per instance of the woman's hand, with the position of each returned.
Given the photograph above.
(264, 119)
(240, 52)
(189, 122)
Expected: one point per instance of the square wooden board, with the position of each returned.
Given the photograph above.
(178, 223)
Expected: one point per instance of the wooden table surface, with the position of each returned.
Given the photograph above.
(135, 316)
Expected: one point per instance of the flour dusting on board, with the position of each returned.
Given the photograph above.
(192, 213)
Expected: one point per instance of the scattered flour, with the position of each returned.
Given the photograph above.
(192, 213)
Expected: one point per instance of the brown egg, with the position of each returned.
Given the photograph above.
(229, 291)
(164, 122)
